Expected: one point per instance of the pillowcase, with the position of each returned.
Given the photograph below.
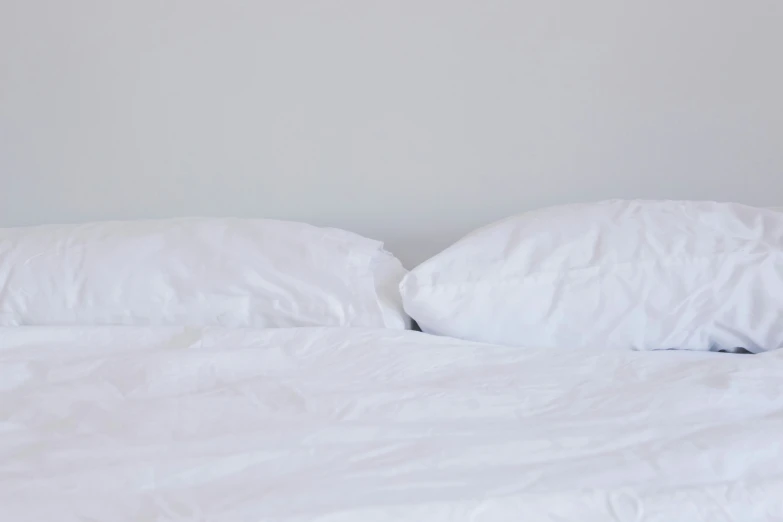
(197, 272)
(644, 275)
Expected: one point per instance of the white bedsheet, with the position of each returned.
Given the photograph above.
(139, 424)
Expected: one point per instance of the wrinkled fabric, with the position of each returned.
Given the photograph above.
(642, 275)
(355, 425)
(197, 272)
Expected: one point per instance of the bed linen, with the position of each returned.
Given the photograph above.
(329, 424)
(226, 272)
(632, 274)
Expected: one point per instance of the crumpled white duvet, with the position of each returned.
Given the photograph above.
(316, 424)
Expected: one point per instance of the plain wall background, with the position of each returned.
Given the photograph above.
(410, 121)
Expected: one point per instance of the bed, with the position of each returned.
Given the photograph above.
(228, 370)
(361, 424)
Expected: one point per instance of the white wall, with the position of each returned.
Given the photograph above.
(411, 121)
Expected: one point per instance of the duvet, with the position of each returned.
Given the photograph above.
(316, 424)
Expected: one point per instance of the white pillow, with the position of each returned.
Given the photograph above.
(197, 272)
(619, 274)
